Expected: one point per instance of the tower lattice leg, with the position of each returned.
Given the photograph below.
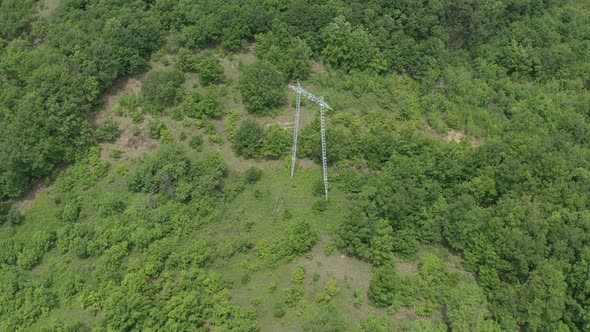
(295, 133)
(324, 160)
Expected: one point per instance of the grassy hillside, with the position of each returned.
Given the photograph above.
(145, 153)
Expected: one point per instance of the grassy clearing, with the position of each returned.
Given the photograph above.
(261, 213)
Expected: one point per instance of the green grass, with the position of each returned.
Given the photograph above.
(280, 193)
(257, 214)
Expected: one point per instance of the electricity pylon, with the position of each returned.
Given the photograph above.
(320, 101)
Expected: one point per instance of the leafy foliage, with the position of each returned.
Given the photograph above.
(351, 49)
(108, 132)
(248, 139)
(209, 69)
(276, 141)
(290, 55)
(253, 174)
(262, 88)
(160, 87)
(205, 105)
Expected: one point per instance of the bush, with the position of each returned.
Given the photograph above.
(318, 188)
(332, 288)
(155, 129)
(253, 174)
(196, 142)
(276, 141)
(15, 217)
(293, 295)
(262, 88)
(384, 286)
(186, 61)
(4, 209)
(71, 211)
(210, 105)
(108, 132)
(248, 139)
(326, 319)
(203, 106)
(358, 298)
(319, 205)
(278, 310)
(209, 69)
(301, 237)
(160, 87)
(111, 204)
(116, 154)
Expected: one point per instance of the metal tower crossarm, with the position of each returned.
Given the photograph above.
(318, 100)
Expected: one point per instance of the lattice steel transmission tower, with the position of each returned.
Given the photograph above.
(320, 101)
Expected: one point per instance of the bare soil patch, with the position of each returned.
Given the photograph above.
(405, 268)
(24, 203)
(318, 68)
(47, 7)
(455, 136)
(130, 145)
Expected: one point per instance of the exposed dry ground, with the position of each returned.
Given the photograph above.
(455, 136)
(48, 6)
(130, 145)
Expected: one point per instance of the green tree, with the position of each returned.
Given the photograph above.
(108, 132)
(384, 286)
(160, 87)
(325, 319)
(15, 16)
(289, 54)
(276, 141)
(351, 48)
(466, 309)
(248, 139)
(355, 234)
(382, 243)
(253, 174)
(209, 69)
(262, 88)
(186, 60)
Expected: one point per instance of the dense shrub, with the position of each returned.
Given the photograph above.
(384, 286)
(108, 132)
(253, 174)
(160, 87)
(249, 139)
(276, 141)
(209, 69)
(156, 128)
(196, 142)
(205, 105)
(262, 88)
(14, 216)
